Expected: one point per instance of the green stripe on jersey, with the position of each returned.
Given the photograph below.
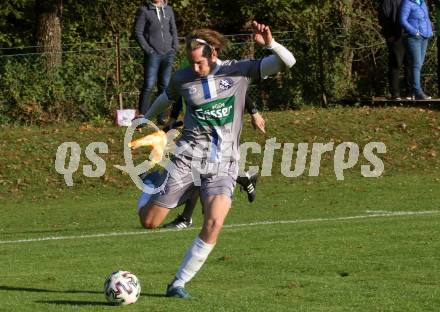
(215, 113)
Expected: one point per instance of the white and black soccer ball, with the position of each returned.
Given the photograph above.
(122, 288)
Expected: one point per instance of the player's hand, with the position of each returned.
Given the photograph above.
(258, 122)
(262, 34)
(170, 124)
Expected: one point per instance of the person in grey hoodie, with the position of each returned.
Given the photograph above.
(156, 33)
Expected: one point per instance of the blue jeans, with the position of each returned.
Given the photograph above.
(157, 68)
(416, 46)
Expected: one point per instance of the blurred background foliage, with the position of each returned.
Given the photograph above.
(337, 43)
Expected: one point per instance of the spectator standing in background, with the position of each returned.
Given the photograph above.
(417, 27)
(389, 20)
(156, 33)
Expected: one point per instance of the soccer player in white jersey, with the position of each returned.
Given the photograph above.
(208, 149)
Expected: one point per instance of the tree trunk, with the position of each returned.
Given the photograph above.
(348, 54)
(48, 33)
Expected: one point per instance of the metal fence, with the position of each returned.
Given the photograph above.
(240, 47)
(376, 82)
(88, 82)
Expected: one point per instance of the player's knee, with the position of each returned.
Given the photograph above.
(149, 224)
(210, 231)
(214, 225)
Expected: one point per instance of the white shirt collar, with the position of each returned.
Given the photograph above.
(218, 63)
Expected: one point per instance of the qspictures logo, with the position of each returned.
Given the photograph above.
(345, 156)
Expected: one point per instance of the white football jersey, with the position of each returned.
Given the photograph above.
(214, 109)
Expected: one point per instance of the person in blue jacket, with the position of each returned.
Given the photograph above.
(417, 27)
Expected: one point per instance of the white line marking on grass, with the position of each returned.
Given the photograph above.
(390, 211)
(144, 232)
(378, 211)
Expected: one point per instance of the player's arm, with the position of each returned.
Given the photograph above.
(158, 106)
(257, 120)
(250, 106)
(176, 108)
(163, 100)
(281, 57)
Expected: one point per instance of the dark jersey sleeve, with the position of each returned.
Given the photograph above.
(172, 90)
(250, 106)
(250, 68)
(176, 108)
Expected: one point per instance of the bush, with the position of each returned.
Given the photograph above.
(79, 89)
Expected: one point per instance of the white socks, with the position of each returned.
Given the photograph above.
(193, 261)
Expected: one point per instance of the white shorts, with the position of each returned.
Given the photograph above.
(183, 179)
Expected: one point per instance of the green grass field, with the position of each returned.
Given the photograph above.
(305, 244)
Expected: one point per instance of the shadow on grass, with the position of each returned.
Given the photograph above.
(31, 289)
(75, 303)
(87, 303)
(42, 290)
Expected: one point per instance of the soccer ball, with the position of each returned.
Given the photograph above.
(122, 288)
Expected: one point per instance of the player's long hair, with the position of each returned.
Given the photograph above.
(207, 38)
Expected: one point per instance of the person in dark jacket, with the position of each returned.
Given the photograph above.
(156, 33)
(389, 15)
(417, 27)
